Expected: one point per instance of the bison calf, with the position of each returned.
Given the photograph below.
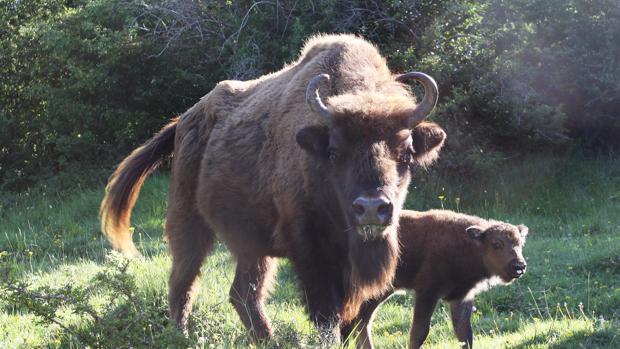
(451, 256)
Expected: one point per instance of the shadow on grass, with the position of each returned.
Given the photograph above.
(601, 337)
(608, 263)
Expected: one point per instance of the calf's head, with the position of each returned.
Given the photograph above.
(502, 249)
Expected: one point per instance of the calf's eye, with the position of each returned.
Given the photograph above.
(497, 245)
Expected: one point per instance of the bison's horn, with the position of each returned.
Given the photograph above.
(430, 95)
(314, 99)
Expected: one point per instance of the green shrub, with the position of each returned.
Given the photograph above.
(111, 311)
(84, 82)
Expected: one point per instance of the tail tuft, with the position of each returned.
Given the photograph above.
(124, 187)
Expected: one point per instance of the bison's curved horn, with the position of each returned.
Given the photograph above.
(314, 99)
(430, 95)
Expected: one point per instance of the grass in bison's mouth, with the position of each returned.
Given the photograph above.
(371, 231)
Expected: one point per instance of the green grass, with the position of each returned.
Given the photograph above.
(570, 297)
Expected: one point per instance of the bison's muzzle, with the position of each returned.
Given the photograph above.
(375, 210)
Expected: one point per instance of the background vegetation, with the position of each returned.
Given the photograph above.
(529, 97)
(83, 82)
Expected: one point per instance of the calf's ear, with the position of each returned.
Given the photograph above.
(523, 230)
(428, 138)
(314, 140)
(475, 232)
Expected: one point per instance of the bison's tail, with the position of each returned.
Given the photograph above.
(124, 186)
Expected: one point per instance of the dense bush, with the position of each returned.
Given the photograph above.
(109, 312)
(82, 82)
(80, 88)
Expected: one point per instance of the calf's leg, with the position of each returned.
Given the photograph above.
(253, 279)
(460, 312)
(423, 311)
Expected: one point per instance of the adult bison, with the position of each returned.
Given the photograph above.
(310, 163)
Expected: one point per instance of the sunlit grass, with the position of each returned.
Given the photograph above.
(570, 297)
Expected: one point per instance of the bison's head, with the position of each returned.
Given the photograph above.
(366, 147)
(502, 246)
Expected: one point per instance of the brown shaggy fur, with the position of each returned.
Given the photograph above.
(450, 256)
(255, 168)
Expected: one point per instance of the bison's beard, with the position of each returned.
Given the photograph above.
(373, 265)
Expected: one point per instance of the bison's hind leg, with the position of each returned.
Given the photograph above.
(252, 284)
(190, 240)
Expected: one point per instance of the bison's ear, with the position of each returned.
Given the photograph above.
(428, 138)
(475, 232)
(314, 140)
(524, 230)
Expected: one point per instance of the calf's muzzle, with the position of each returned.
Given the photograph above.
(518, 268)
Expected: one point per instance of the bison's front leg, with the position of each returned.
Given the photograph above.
(359, 329)
(322, 291)
(253, 279)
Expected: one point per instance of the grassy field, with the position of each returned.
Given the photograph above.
(62, 288)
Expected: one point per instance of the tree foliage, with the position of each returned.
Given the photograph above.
(83, 82)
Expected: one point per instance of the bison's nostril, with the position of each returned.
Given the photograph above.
(358, 208)
(385, 209)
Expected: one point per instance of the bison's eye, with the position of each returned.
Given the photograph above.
(407, 156)
(497, 245)
(332, 154)
(404, 147)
